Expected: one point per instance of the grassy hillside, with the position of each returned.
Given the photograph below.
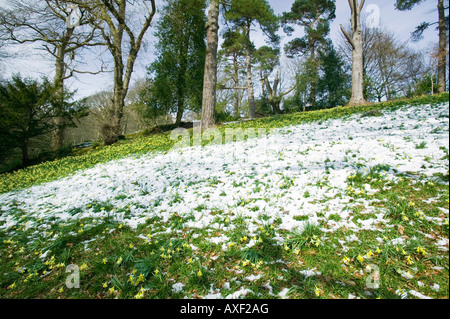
(157, 143)
(340, 203)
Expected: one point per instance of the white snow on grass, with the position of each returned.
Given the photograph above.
(240, 293)
(310, 273)
(419, 295)
(177, 288)
(296, 171)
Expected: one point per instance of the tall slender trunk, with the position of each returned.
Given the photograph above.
(210, 77)
(24, 148)
(313, 89)
(442, 66)
(356, 41)
(181, 81)
(118, 101)
(58, 133)
(236, 110)
(180, 111)
(251, 91)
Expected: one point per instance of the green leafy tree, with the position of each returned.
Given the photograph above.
(334, 84)
(177, 74)
(27, 109)
(243, 15)
(426, 86)
(314, 17)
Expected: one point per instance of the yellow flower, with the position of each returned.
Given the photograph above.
(83, 266)
(105, 284)
(408, 259)
(199, 273)
(12, 286)
(156, 271)
(131, 246)
(317, 291)
(119, 261)
(420, 250)
(360, 258)
(105, 261)
(111, 290)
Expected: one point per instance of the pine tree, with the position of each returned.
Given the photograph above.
(333, 87)
(243, 14)
(27, 107)
(314, 16)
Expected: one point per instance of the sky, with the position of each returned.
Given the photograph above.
(401, 23)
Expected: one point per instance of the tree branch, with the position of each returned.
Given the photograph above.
(348, 37)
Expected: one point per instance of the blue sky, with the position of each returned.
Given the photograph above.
(401, 23)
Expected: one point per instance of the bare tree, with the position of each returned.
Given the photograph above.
(232, 62)
(63, 31)
(123, 32)
(442, 26)
(356, 41)
(390, 66)
(229, 81)
(276, 92)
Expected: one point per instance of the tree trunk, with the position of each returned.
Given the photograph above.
(236, 84)
(442, 66)
(251, 92)
(275, 103)
(25, 159)
(118, 101)
(312, 93)
(356, 41)
(59, 131)
(180, 112)
(58, 134)
(210, 77)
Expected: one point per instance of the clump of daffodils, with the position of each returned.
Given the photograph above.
(140, 294)
(421, 250)
(315, 241)
(136, 280)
